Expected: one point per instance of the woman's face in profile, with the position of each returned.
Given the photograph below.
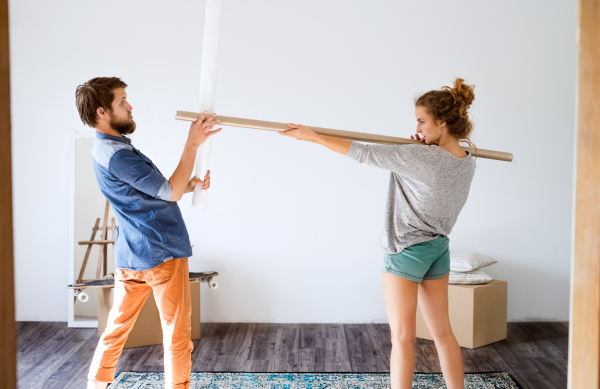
(430, 131)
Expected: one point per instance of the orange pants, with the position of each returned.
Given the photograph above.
(171, 286)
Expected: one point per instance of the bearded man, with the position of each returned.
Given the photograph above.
(152, 244)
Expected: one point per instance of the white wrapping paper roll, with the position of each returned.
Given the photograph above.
(199, 198)
(208, 86)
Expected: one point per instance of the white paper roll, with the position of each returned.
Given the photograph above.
(208, 86)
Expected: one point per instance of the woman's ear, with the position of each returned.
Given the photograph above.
(440, 126)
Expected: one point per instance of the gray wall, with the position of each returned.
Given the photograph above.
(292, 227)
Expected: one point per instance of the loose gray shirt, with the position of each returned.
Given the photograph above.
(428, 188)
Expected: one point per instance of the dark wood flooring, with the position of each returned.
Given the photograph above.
(50, 355)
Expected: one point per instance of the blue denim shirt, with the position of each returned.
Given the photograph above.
(151, 229)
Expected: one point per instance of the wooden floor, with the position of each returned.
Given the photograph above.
(50, 355)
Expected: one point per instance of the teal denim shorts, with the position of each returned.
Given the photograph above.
(423, 261)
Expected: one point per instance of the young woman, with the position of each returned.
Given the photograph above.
(429, 184)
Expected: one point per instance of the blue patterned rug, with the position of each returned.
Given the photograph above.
(155, 380)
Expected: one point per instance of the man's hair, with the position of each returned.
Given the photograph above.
(97, 92)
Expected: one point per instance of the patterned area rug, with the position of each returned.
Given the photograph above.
(131, 380)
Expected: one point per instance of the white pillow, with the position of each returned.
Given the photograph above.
(463, 261)
(472, 277)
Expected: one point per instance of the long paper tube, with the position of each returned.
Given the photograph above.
(208, 84)
(358, 136)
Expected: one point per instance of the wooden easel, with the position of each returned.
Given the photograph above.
(102, 267)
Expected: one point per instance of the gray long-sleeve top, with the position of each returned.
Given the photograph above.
(428, 188)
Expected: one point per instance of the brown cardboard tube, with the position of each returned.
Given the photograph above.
(357, 136)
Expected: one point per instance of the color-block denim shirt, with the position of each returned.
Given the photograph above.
(151, 229)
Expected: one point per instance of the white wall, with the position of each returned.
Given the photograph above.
(293, 228)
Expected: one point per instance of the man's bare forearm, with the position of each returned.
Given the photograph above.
(181, 175)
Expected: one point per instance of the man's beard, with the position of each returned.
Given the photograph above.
(123, 127)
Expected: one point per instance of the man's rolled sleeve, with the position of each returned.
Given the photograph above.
(165, 192)
(131, 168)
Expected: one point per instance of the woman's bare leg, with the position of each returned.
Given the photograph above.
(433, 300)
(400, 299)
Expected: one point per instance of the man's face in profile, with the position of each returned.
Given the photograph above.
(121, 119)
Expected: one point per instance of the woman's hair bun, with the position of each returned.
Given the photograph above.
(451, 105)
(462, 94)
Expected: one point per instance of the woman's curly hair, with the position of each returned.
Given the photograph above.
(451, 105)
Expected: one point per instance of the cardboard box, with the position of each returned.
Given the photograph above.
(147, 329)
(478, 314)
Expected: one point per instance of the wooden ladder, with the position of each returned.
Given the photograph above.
(102, 268)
